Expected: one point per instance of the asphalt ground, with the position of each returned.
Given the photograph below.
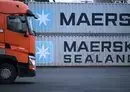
(66, 79)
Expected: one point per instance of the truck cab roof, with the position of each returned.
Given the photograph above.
(13, 7)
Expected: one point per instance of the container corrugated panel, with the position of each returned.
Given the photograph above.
(82, 50)
(81, 18)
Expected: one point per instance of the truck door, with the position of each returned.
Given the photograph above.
(17, 43)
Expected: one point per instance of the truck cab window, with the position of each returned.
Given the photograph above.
(17, 24)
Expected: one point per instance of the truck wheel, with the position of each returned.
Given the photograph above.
(7, 73)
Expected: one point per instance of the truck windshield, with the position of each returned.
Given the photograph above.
(19, 24)
(31, 30)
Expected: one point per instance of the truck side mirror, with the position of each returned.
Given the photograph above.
(29, 13)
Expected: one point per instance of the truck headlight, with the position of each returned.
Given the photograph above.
(32, 62)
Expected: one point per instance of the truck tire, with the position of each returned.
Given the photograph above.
(7, 73)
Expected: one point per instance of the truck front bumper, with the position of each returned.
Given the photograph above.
(31, 73)
(25, 71)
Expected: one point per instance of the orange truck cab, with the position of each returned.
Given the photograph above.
(17, 41)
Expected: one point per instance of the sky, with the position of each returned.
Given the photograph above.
(70, 0)
(76, 1)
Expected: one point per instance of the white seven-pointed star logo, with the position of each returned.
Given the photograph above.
(43, 18)
(43, 52)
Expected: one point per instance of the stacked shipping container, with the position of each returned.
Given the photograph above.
(82, 34)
